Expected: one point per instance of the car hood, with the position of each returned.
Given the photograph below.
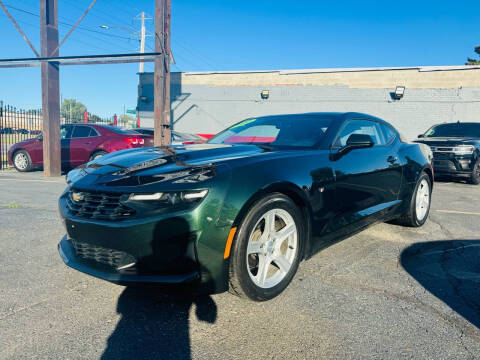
(448, 141)
(173, 165)
(24, 143)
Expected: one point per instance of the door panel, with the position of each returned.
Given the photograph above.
(82, 144)
(367, 179)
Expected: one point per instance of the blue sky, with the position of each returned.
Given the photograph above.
(238, 35)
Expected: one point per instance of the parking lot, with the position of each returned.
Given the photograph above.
(388, 292)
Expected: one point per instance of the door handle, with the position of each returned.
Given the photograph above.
(392, 159)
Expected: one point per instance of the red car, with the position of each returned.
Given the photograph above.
(80, 143)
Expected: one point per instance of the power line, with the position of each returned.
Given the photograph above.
(68, 24)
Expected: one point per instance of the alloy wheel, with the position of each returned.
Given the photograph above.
(422, 200)
(272, 248)
(21, 161)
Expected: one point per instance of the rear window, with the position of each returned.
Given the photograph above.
(454, 130)
(121, 131)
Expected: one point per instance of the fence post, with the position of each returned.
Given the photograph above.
(86, 117)
(115, 119)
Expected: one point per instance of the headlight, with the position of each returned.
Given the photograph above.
(463, 149)
(168, 199)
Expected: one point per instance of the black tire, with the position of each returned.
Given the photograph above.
(241, 283)
(97, 154)
(25, 163)
(475, 177)
(410, 218)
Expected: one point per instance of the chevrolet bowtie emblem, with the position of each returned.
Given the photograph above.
(77, 196)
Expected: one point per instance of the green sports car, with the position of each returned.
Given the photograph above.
(241, 211)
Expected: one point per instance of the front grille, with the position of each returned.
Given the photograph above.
(443, 149)
(102, 255)
(98, 205)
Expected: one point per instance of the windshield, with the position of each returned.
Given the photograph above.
(282, 131)
(454, 130)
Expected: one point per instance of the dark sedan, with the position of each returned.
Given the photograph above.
(456, 150)
(241, 211)
(79, 143)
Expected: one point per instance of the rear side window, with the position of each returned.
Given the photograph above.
(93, 132)
(81, 131)
(388, 132)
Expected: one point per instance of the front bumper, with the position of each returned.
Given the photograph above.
(105, 272)
(452, 165)
(177, 247)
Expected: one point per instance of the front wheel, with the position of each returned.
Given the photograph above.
(475, 177)
(420, 202)
(267, 249)
(21, 161)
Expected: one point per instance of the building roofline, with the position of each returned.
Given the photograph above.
(336, 70)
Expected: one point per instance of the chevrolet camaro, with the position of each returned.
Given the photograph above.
(241, 211)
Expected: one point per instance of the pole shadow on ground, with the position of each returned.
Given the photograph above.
(155, 323)
(450, 270)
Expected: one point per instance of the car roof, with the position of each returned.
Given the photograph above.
(341, 115)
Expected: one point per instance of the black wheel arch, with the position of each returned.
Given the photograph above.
(96, 151)
(296, 194)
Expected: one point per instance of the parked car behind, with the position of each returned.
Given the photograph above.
(7, 130)
(178, 138)
(80, 143)
(22, 131)
(456, 150)
(244, 209)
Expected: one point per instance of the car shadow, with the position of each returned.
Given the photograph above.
(154, 323)
(450, 270)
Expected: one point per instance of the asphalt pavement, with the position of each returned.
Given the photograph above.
(387, 293)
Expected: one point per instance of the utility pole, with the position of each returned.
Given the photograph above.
(50, 88)
(161, 103)
(142, 41)
(143, 34)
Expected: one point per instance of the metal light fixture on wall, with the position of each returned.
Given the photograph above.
(399, 92)
(264, 94)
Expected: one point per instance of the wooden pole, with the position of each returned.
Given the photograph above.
(161, 103)
(50, 88)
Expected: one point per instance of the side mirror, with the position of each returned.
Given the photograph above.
(40, 137)
(357, 141)
(354, 141)
(421, 136)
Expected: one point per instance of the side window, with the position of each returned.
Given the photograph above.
(364, 127)
(388, 133)
(93, 132)
(81, 131)
(66, 132)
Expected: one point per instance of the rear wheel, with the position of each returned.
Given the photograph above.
(21, 161)
(268, 248)
(475, 177)
(97, 154)
(419, 204)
